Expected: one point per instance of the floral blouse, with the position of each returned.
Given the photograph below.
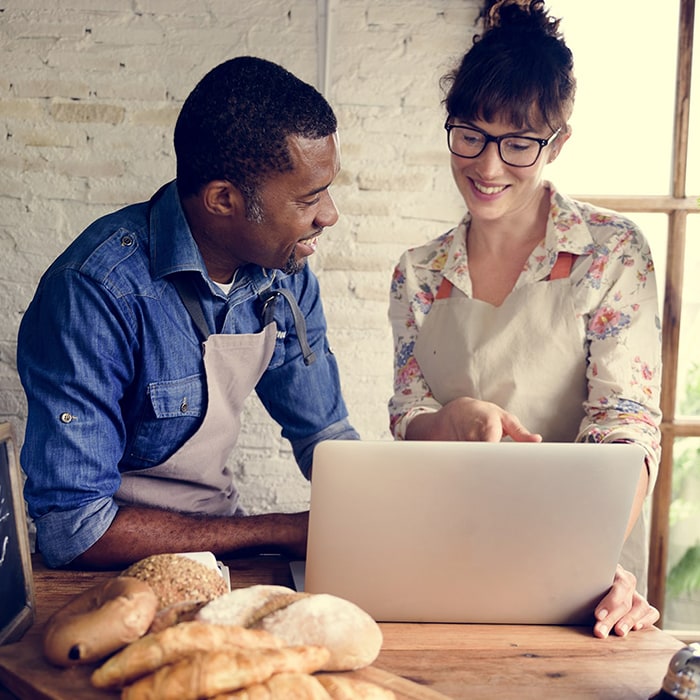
(614, 295)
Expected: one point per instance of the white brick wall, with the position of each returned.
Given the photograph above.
(89, 93)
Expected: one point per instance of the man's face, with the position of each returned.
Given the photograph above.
(292, 208)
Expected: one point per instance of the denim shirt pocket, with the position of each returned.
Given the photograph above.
(173, 413)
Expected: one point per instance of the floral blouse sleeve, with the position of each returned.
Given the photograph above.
(412, 293)
(618, 301)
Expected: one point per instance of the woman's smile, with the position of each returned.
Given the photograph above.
(488, 190)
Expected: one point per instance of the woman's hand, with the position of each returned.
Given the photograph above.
(623, 610)
(467, 419)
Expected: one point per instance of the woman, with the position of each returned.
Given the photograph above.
(536, 317)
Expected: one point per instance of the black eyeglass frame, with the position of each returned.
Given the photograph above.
(497, 140)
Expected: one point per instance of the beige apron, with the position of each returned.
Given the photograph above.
(527, 356)
(195, 479)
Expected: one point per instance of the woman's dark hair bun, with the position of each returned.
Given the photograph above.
(519, 69)
(520, 16)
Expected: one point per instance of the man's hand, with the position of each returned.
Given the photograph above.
(467, 419)
(623, 610)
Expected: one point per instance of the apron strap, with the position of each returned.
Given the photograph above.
(562, 266)
(444, 290)
(185, 288)
(560, 270)
(269, 299)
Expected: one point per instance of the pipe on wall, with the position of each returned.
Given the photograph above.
(325, 12)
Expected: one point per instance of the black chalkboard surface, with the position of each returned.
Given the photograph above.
(16, 582)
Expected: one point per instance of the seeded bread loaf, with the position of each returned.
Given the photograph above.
(178, 579)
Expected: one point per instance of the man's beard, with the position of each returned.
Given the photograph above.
(293, 265)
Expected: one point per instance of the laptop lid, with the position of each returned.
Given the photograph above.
(505, 532)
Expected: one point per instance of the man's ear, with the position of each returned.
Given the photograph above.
(559, 142)
(221, 198)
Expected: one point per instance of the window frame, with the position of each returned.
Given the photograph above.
(677, 206)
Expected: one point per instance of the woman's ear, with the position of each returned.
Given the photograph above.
(221, 198)
(559, 142)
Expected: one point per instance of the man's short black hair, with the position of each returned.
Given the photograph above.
(235, 123)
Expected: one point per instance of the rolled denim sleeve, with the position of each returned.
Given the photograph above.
(71, 353)
(64, 535)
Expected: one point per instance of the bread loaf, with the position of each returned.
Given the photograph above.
(151, 652)
(348, 632)
(177, 579)
(281, 686)
(346, 688)
(207, 674)
(99, 621)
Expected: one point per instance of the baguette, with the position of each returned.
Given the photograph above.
(154, 650)
(99, 621)
(206, 674)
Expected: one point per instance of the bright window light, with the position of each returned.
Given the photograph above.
(625, 56)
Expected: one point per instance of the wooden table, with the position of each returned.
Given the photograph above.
(457, 661)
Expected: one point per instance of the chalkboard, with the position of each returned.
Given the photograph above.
(16, 582)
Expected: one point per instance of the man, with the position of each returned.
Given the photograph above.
(148, 333)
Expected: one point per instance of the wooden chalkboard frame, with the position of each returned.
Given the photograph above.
(12, 509)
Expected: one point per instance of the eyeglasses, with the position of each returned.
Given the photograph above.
(518, 151)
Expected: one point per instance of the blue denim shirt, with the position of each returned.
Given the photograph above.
(106, 350)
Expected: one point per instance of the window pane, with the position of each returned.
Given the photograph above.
(682, 605)
(623, 118)
(688, 383)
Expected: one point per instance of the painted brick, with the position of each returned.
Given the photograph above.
(25, 85)
(87, 112)
(387, 180)
(46, 136)
(164, 117)
(26, 110)
(177, 7)
(366, 203)
(88, 100)
(20, 26)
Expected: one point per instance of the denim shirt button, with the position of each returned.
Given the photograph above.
(127, 241)
(184, 406)
(65, 417)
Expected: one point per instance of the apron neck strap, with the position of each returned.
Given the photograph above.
(269, 299)
(184, 285)
(185, 288)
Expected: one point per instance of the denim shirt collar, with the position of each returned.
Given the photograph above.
(173, 248)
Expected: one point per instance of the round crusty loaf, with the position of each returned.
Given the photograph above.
(246, 606)
(177, 579)
(348, 632)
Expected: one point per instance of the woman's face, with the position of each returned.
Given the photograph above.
(494, 190)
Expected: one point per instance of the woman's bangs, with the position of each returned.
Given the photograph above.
(488, 104)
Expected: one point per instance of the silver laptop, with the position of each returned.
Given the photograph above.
(469, 532)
